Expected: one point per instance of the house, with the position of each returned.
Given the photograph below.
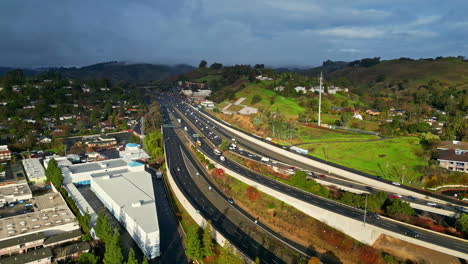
(452, 145)
(86, 89)
(263, 78)
(279, 88)
(300, 89)
(373, 112)
(5, 153)
(454, 160)
(357, 115)
(44, 139)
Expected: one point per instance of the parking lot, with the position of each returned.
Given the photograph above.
(16, 209)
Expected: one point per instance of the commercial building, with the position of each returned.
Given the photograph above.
(5, 153)
(134, 152)
(13, 191)
(48, 214)
(100, 142)
(126, 189)
(38, 256)
(34, 170)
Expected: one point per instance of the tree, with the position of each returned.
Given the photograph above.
(256, 99)
(145, 261)
(224, 145)
(399, 207)
(216, 66)
(228, 256)
(193, 248)
(208, 246)
(202, 64)
(314, 260)
(102, 228)
(462, 223)
(88, 258)
(113, 254)
(131, 259)
(54, 174)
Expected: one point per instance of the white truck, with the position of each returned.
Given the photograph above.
(265, 159)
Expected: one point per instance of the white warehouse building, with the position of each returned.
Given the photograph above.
(126, 189)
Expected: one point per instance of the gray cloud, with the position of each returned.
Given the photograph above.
(275, 32)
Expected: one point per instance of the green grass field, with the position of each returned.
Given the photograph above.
(390, 158)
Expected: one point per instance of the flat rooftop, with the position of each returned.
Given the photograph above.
(96, 166)
(33, 168)
(50, 210)
(15, 189)
(133, 192)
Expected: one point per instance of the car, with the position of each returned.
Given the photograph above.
(178, 169)
(396, 183)
(431, 203)
(222, 158)
(395, 196)
(411, 233)
(322, 176)
(230, 200)
(411, 198)
(374, 216)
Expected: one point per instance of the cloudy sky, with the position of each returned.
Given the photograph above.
(275, 32)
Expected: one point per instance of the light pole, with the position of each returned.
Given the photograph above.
(320, 100)
(365, 211)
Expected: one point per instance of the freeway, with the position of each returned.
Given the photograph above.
(223, 225)
(215, 135)
(338, 208)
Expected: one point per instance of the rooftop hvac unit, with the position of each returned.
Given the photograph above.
(136, 204)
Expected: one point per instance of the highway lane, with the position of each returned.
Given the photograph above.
(338, 208)
(231, 232)
(273, 155)
(216, 137)
(306, 251)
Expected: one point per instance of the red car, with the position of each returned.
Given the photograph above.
(395, 196)
(322, 176)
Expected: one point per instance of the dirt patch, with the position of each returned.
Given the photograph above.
(406, 250)
(382, 155)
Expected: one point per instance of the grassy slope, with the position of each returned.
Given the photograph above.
(415, 71)
(287, 106)
(390, 158)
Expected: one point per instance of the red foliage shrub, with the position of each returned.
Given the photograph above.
(437, 228)
(252, 193)
(369, 255)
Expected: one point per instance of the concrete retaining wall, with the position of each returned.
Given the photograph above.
(198, 218)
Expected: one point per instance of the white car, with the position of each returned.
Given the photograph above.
(431, 203)
(396, 183)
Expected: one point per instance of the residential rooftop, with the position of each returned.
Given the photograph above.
(451, 155)
(446, 145)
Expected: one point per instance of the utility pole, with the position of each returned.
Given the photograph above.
(142, 141)
(320, 100)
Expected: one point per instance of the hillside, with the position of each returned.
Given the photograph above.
(139, 73)
(451, 71)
